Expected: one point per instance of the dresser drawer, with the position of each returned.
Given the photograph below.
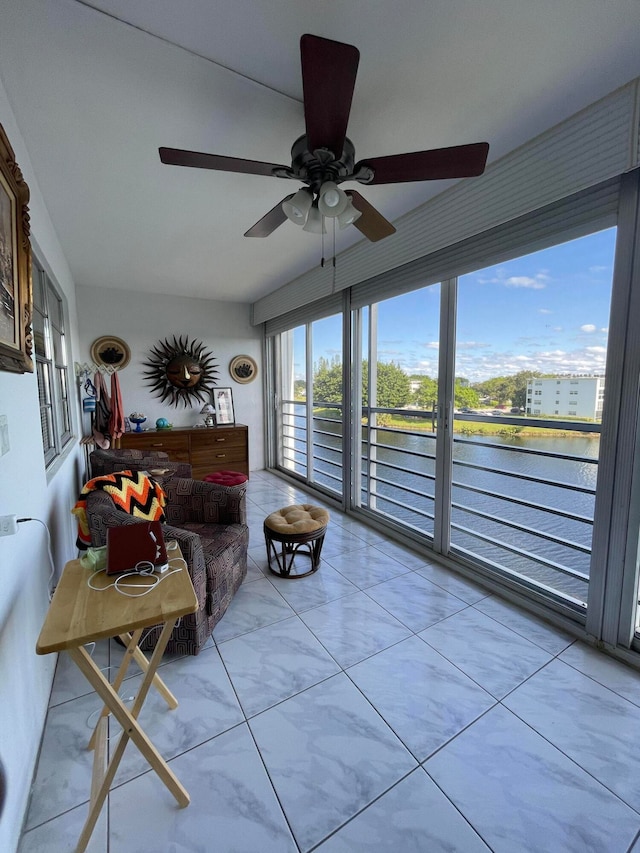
(217, 437)
(220, 456)
(168, 442)
(208, 449)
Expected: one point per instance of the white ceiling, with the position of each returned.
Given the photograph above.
(97, 87)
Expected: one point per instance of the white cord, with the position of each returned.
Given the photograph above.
(142, 569)
(51, 563)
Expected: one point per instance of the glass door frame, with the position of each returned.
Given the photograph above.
(613, 587)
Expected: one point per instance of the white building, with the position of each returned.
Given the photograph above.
(568, 396)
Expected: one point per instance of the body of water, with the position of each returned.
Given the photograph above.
(490, 476)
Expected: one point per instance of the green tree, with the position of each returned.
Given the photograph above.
(519, 396)
(327, 380)
(394, 390)
(508, 389)
(426, 395)
(464, 396)
(393, 386)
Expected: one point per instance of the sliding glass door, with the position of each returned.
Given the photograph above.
(483, 402)
(475, 412)
(309, 418)
(531, 347)
(396, 375)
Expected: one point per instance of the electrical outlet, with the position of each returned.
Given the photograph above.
(8, 525)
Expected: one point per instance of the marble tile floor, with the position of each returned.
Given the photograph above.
(382, 704)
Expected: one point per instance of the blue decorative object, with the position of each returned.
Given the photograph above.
(137, 418)
(163, 423)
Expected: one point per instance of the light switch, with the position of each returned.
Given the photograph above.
(4, 435)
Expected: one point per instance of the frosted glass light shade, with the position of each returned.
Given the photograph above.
(315, 222)
(349, 215)
(297, 208)
(332, 200)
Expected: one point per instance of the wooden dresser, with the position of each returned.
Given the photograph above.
(208, 449)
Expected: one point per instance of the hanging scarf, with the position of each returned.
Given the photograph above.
(116, 421)
(102, 414)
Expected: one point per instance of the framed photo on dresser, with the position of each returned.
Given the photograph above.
(223, 402)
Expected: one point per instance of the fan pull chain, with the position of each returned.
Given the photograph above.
(334, 243)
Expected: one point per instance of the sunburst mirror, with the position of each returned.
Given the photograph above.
(180, 371)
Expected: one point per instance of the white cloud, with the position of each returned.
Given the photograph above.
(545, 311)
(526, 281)
(471, 345)
(588, 327)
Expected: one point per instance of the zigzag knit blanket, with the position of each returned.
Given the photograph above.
(131, 491)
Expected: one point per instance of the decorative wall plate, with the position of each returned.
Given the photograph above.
(110, 352)
(243, 369)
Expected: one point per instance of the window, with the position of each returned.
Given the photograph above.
(51, 364)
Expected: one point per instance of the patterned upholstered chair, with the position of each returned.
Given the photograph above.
(209, 523)
(110, 461)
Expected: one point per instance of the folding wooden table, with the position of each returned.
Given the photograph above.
(79, 615)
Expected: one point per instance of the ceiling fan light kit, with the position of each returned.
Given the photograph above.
(332, 201)
(315, 221)
(348, 215)
(297, 208)
(324, 156)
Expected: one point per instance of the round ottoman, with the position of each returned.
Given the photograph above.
(226, 478)
(294, 527)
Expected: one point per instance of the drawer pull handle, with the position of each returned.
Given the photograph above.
(220, 455)
(221, 439)
(159, 444)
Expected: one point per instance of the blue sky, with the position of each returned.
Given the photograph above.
(548, 311)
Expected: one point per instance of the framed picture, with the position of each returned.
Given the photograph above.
(223, 402)
(16, 341)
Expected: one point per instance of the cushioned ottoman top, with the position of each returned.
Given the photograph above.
(226, 478)
(298, 518)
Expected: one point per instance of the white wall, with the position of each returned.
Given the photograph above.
(25, 678)
(142, 321)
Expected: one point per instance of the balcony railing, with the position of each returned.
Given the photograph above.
(520, 505)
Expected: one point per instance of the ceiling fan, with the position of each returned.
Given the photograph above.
(324, 156)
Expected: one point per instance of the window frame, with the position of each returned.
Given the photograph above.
(52, 360)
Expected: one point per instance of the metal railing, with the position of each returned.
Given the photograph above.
(526, 510)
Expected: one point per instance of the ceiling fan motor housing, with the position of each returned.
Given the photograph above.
(314, 168)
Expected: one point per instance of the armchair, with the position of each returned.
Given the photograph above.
(110, 461)
(209, 523)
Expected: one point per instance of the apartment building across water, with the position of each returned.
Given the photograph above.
(567, 396)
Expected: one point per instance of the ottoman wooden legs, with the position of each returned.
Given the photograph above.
(289, 544)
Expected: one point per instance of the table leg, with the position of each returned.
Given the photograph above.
(117, 681)
(131, 729)
(134, 653)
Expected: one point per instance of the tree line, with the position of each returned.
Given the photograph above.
(394, 387)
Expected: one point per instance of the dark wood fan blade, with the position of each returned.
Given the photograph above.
(372, 224)
(459, 161)
(329, 71)
(270, 221)
(196, 160)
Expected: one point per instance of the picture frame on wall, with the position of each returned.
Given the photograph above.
(223, 403)
(16, 295)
